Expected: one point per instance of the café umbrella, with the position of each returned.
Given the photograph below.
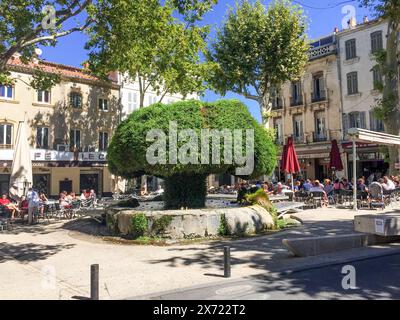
(290, 163)
(335, 162)
(21, 172)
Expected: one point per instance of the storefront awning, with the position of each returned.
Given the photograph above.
(362, 135)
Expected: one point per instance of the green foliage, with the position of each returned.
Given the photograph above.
(127, 150)
(44, 81)
(139, 225)
(145, 41)
(223, 229)
(261, 198)
(24, 25)
(257, 50)
(161, 224)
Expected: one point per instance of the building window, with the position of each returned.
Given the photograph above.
(75, 99)
(6, 92)
(320, 132)
(352, 83)
(375, 124)
(132, 101)
(75, 138)
(276, 100)
(351, 52)
(377, 78)
(376, 41)
(103, 141)
(298, 128)
(319, 93)
(6, 135)
(297, 98)
(357, 120)
(278, 130)
(103, 104)
(43, 96)
(152, 100)
(42, 138)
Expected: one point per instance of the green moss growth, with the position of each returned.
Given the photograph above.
(139, 225)
(223, 226)
(160, 225)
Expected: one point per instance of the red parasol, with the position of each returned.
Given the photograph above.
(335, 162)
(290, 163)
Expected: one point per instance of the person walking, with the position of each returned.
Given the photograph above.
(33, 203)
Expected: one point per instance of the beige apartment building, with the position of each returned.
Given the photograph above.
(359, 83)
(309, 110)
(69, 127)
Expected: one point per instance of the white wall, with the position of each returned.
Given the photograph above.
(366, 99)
(129, 87)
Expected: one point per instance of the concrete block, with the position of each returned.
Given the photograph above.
(378, 224)
(313, 246)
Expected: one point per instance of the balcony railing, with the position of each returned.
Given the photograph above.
(279, 141)
(318, 96)
(318, 137)
(277, 105)
(295, 103)
(298, 139)
(6, 146)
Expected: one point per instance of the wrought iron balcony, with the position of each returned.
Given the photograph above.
(298, 139)
(296, 102)
(318, 96)
(277, 104)
(279, 141)
(318, 137)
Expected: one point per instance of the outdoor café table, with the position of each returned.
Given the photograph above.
(278, 198)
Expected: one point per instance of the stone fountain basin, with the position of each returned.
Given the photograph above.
(239, 221)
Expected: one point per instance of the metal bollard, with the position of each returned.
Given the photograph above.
(227, 262)
(94, 282)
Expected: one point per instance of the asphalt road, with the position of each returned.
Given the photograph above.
(377, 278)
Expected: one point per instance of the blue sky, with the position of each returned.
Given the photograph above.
(323, 16)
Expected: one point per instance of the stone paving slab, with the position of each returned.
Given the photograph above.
(132, 270)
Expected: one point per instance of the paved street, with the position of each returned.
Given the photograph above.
(373, 281)
(53, 261)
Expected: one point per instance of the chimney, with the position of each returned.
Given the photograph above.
(336, 30)
(85, 65)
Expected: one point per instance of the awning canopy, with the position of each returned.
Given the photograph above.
(362, 135)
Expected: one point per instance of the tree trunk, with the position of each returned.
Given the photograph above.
(265, 108)
(390, 91)
(143, 184)
(185, 191)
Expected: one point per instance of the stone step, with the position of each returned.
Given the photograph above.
(313, 246)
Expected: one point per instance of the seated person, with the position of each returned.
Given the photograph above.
(42, 202)
(361, 185)
(64, 202)
(6, 202)
(23, 206)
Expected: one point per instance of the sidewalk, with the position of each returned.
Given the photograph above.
(30, 257)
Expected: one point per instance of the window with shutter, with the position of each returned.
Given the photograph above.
(362, 120)
(376, 41)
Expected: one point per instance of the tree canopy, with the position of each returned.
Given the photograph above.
(26, 24)
(143, 40)
(128, 147)
(258, 49)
